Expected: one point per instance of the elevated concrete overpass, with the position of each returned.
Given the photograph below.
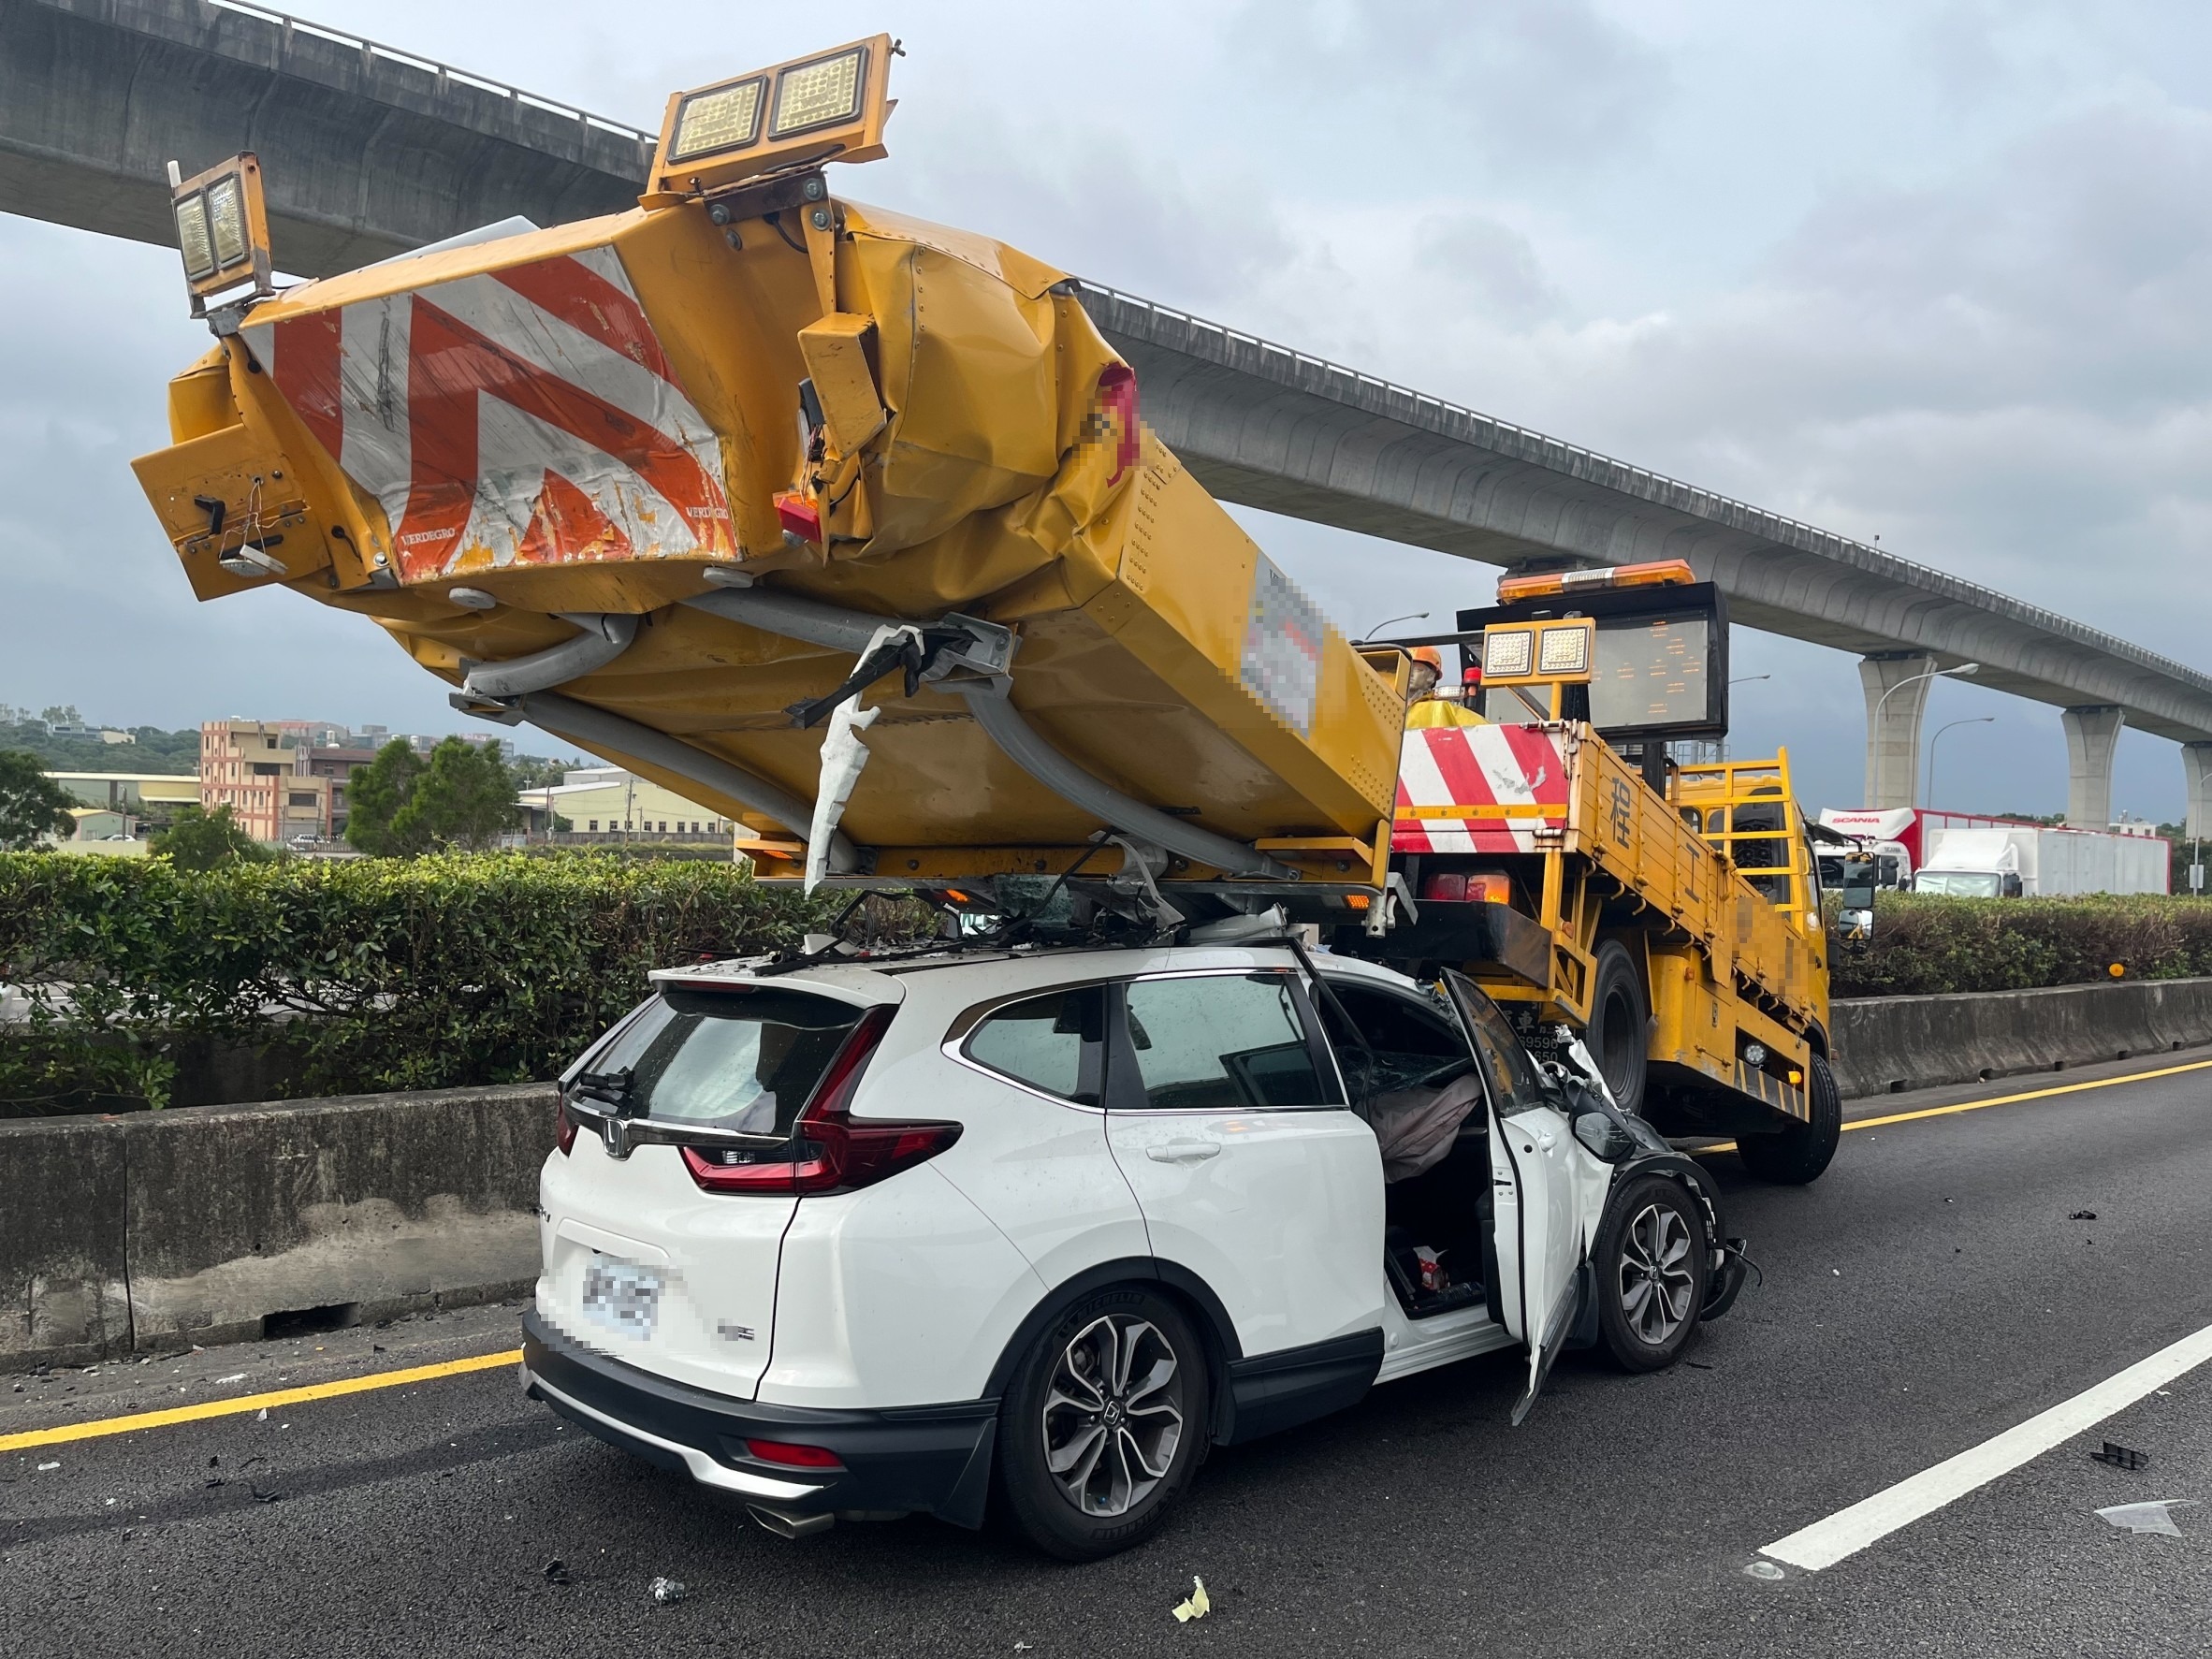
(371, 150)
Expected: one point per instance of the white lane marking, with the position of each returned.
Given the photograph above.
(1848, 1531)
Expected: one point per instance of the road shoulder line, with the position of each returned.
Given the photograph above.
(98, 1427)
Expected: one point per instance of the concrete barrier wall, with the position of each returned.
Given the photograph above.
(197, 1223)
(1885, 1044)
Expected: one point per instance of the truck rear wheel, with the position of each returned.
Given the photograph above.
(1799, 1153)
(1620, 1025)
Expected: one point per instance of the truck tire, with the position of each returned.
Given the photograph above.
(1799, 1153)
(1651, 1264)
(1620, 1025)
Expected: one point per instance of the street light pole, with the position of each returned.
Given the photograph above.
(1408, 616)
(1977, 721)
(1874, 719)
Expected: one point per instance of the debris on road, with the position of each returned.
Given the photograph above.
(2155, 1517)
(261, 1416)
(2120, 1457)
(666, 1590)
(1196, 1605)
(1762, 1570)
(2083, 1216)
(557, 1572)
(234, 1377)
(44, 1467)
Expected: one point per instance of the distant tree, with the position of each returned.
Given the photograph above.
(375, 797)
(404, 805)
(197, 840)
(171, 753)
(64, 715)
(32, 805)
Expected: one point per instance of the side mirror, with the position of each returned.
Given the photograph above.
(1604, 1137)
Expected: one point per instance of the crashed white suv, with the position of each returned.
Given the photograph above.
(1038, 1228)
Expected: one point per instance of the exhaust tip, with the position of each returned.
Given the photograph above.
(786, 1525)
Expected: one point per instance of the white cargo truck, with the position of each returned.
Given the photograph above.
(2014, 861)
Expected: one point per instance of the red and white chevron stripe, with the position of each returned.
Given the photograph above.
(527, 416)
(1478, 789)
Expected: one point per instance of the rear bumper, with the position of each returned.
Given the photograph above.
(935, 1459)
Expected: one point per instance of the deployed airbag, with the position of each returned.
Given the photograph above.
(1416, 1126)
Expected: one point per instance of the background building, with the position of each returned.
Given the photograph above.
(608, 804)
(154, 794)
(262, 774)
(338, 762)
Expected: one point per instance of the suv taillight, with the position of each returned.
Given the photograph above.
(564, 1126)
(828, 1152)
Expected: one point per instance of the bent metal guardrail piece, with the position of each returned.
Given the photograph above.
(603, 638)
(581, 724)
(844, 630)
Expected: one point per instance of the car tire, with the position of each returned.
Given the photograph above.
(1798, 1153)
(1620, 1025)
(1651, 1266)
(1150, 1430)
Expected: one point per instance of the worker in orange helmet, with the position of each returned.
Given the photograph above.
(1426, 707)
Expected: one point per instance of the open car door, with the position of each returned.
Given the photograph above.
(1532, 1143)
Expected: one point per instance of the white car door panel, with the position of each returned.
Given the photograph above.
(1532, 1147)
(1247, 1169)
(1035, 1160)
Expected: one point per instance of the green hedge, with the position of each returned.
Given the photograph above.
(1925, 945)
(381, 974)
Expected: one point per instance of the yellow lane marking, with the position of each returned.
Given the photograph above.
(205, 1408)
(2064, 1088)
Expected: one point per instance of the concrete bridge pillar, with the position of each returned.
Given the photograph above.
(1896, 685)
(2196, 771)
(2091, 734)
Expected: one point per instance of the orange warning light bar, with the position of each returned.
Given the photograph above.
(1657, 573)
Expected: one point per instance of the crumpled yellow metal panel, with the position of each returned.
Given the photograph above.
(591, 418)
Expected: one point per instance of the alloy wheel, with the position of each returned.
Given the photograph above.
(1113, 1415)
(1656, 1280)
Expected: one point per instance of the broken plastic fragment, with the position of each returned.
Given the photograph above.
(1195, 1606)
(2120, 1457)
(557, 1572)
(234, 1377)
(843, 755)
(665, 1590)
(2156, 1517)
(261, 1416)
(2083, 1216)
(1762, 1570)
(44, 1467)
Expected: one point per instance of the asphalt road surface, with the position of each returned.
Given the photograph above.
(1931, 1291)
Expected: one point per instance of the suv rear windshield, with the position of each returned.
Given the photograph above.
(743, 1060)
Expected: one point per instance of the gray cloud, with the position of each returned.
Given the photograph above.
(1532, 83)
(1945, 286)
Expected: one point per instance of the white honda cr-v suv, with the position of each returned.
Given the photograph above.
(1036, 1227)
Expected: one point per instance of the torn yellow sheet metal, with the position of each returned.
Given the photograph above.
(600, 416)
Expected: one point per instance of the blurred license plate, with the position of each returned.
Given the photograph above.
(622, 1298)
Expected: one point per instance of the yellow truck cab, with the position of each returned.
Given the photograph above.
(1669, 911)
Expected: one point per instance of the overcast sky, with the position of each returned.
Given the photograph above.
(1932, 272)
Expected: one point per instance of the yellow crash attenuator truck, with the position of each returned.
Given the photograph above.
(654, 482)
(1670, 913)
(846, 525)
